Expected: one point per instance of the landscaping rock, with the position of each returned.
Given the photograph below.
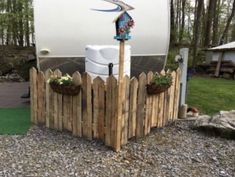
(222, 124)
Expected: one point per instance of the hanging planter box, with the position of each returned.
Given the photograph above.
(64, 85)
(71, 90)
(153, 89)
(160, 83)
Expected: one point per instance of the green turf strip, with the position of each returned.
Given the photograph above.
(211, 95)
(14, 121)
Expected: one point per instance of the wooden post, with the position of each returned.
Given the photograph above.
(117, 144)
(218, 67)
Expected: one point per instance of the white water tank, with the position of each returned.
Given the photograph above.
(98, 58)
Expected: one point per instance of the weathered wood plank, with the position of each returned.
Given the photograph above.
(99, 108)
(140, 119)
(77, 107)
(57, 104)
(125, 108)
(149, 107)
(167, 105)
(39, 95)
(133, 107)
(48, 74)
(34, 101)
(172, 95)
(177, 93)
(87, 106)
(111, 111)
(161, 106)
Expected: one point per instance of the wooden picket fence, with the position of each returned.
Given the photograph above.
(92, 113)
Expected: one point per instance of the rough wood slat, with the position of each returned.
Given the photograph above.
(111, 110)
(177, 94)
(34, 97)
(43, 98)
(125, 108)
(140, 119)
(167, 105)
(161, 106)
(155, 115)
(87, 106)
(65, 112)
(39, 99)
(149, 107)
(172, 95)
(57, 104)
(48, 74)
(77, 107)
(99, 108)
(133, 107)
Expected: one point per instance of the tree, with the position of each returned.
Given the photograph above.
(209, 20)
(197, 29)
(227, 24)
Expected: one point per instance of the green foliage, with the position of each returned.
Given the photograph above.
(14, 121)
(161, 80)
(211, 95)
(16, 22)
(64, 80)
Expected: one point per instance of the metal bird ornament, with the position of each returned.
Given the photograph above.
(121, 6)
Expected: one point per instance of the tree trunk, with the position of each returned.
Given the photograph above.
(227, 24)
(216, 14)
(27, 31)
(209, 21)
(182, 21)
(197, 30)
(172, 23)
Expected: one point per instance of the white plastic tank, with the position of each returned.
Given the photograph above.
(98, 58)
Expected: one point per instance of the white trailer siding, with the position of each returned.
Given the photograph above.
(65, 27)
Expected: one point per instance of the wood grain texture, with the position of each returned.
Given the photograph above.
(125, 109)
(140, 119)
(48, 74)
(99, 108)
(133, 107)
(77, 107)
(87, 106)
(149, 107)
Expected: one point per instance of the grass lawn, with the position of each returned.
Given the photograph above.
(211, 95)
(14, 121)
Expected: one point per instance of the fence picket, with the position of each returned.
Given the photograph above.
(149, 107)
(125, 110)
(34, 97)
(133, 107)
(161, 106)
(87, 106)
(177, 94)
(48, 74)
(111, 113)
(140, 120)
(57, 103)
(99, 108)
(172, 94)
(77, 107)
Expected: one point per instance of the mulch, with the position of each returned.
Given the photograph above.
(11, 92)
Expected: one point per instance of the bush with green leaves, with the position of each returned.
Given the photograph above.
(162, 80)
(66, 80)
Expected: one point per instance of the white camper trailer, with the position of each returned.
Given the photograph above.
(63, 29)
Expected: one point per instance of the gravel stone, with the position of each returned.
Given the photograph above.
(176, 150)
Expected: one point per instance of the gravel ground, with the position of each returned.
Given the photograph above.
(173, 151)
